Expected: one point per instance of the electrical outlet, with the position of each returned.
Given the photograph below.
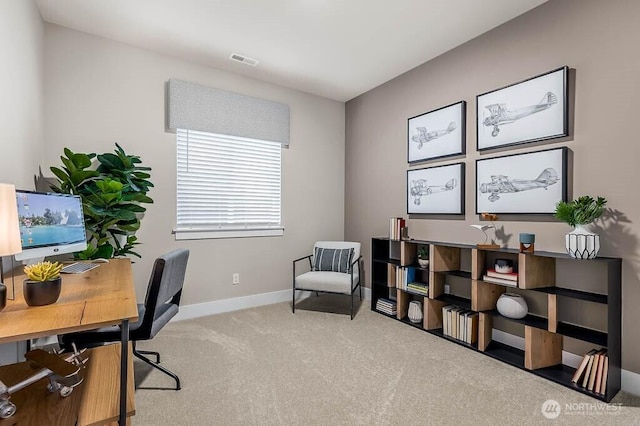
(446, 288)
(236, 279)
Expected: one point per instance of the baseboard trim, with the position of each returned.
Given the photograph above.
(198, 310)
(631, 382)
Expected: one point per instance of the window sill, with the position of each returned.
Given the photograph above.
(236, 233)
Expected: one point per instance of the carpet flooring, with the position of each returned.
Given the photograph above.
(265, 366)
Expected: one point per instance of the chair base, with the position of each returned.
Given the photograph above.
(293, 301)
(140, 355)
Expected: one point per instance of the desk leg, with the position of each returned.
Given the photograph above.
(124, 364)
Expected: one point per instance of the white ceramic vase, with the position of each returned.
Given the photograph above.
(415, 311)
(512, 305)
(582, 243)
(424, 263)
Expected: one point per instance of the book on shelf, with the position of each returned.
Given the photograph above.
(471, 335)
(594, 369)
(605, 371)
(397, 227)
(599, 372)
(502, 281)
(460, 323)
(512, 276)
(583, 365)
(587, 371)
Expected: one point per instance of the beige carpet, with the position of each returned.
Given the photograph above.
(265, 366)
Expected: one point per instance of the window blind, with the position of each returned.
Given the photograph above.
(227, 183)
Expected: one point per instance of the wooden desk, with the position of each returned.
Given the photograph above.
(100, 297)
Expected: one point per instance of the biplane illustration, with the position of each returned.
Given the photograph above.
(501, 184)
(419, 188)
(423, 136)
(500, 115)
(63, 372)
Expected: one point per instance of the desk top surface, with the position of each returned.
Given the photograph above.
(100, 297)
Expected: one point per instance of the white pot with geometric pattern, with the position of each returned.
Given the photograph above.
(582, 243)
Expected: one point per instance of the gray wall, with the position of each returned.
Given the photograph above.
(98, 92)
(21, 106)
(599, 40)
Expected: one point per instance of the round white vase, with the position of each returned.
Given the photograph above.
(512, 305)
(415, 311)
(582, 243)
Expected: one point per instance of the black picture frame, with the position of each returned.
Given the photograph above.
(532, 110)
(523, 183)
(437, 134)
(437, 190)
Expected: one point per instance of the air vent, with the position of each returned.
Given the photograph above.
(244, 59)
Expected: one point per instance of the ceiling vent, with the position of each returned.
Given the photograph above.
(244, 59)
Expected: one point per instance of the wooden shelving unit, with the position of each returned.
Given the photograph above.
(460, 268)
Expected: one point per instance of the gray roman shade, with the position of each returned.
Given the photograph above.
(195, 107)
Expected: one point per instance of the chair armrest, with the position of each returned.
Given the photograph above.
(354, 262)
(302, 258)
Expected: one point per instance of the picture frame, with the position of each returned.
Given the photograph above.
(436, 190)
(437, 134)
(532, 110)
(526, 183)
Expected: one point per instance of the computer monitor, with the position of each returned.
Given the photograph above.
(50, 224)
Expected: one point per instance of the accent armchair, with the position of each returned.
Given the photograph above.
(335, 268)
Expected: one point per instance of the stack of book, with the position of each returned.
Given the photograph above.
(459, 323)
(387, 306)
(406, 281)
(592, 372)
(396, 228)
(510, 279)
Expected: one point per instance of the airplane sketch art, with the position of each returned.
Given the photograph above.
(501, 115)
(423, 136)
(501, 184)
(419, 188)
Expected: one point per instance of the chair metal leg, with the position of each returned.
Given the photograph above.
(143, 358)
(157, 354)
(351, 305)
(293, 301)
(360, 286)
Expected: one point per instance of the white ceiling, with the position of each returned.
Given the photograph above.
(337, 49)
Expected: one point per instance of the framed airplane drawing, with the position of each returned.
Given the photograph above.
(437, 134)
(532, 110)
(530, 183)
(436, 190)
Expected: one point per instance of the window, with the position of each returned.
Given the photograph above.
(227, 186)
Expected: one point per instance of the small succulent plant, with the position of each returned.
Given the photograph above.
(43, 271)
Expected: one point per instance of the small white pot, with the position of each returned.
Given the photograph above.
(512, 305)
(423, 263)
(582, 243)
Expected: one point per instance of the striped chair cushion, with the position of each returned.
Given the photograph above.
(335, 260)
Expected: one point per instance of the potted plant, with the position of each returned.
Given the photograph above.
(112, 196)
(581, 243)
(423, 256)
(43, 283)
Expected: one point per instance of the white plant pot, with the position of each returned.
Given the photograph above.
(512, 305)
(424, 263)
(582, 243)
(415, 311)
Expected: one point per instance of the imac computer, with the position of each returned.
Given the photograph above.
(50, 224)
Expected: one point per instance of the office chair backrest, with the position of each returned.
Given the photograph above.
(164, 291)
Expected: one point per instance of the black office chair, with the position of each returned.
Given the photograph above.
(160, 305)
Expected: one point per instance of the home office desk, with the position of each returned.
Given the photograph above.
(101, 297)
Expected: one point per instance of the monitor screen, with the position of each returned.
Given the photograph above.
(50, 224)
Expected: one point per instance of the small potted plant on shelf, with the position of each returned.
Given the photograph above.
(43, 283)
(581, 243)
(423, 256)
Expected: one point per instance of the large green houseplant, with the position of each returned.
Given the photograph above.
(112, 196)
